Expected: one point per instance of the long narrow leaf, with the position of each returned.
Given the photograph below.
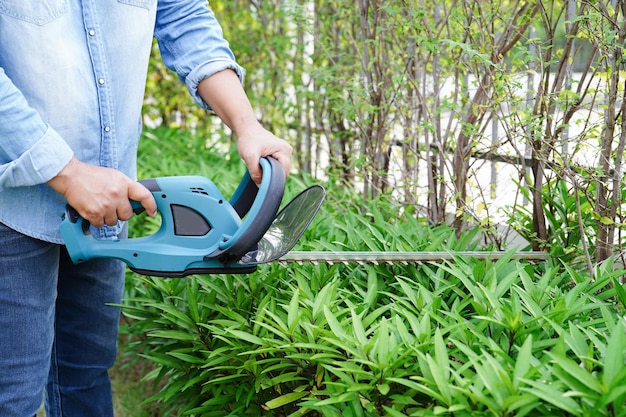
(581, 378)
(615, 354)
(553, 396)
(285, 399)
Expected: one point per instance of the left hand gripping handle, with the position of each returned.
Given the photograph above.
(76, 230)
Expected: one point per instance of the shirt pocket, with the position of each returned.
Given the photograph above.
(146, 4)
(38, 12)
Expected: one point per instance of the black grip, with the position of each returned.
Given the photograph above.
(71, 213)
(244, 202)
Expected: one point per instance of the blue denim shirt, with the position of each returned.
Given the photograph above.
(72, 79)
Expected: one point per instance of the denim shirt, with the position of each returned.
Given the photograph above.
(72, 79)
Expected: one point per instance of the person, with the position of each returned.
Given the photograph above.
(72, 79)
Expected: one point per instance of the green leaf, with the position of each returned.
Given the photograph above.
(192, 299)
(334, 324)
(403, 332)
(323, 299)
(553, 396)
(176, 316)
(522, 363)
(383, 344)
(441, 355)
(357, 328)
(615, 397)
(285, 399)
(442, 383)
(372, 288)
(174, 334)
(614, 359)
(164, 360)
(581, 378)
(360, 388)
(392, 412)
(246, 336)
(293, 315)
(338, 399)
(606, 221)
(620, 290)
(185, 357)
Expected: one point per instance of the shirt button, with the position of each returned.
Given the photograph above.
(101, 81)
(92, 32)
(107, 128)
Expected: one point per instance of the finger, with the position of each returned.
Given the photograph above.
(283, 156)
(139, 193)
(96, 222)
(255, 171)
(92, 214)
(285, 162)
(110, 219)
(124, 211)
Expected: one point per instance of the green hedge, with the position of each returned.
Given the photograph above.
(462, 338)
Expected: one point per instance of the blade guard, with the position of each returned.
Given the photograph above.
(200, 233)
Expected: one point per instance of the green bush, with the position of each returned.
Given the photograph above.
(467, 337)
(462, 338)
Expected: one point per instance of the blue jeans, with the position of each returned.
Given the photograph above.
(59, 333)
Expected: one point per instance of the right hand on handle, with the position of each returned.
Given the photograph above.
(101, 195)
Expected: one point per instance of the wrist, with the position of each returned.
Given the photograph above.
(247, 128)
(61, 181)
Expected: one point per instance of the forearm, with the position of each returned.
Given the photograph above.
(225, 95)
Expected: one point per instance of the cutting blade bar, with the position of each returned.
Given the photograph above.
(366, 257)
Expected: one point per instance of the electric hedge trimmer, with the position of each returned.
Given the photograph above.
(202, 232)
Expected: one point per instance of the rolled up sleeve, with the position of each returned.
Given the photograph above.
(192, 44)
(31, 152)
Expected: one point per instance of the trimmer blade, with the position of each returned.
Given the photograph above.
(288, 226)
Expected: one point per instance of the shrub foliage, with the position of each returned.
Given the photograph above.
(467, 337)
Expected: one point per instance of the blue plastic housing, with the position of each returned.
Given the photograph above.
(200, 232)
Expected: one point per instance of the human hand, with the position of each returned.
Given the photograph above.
(101, 195)
(258, 142)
